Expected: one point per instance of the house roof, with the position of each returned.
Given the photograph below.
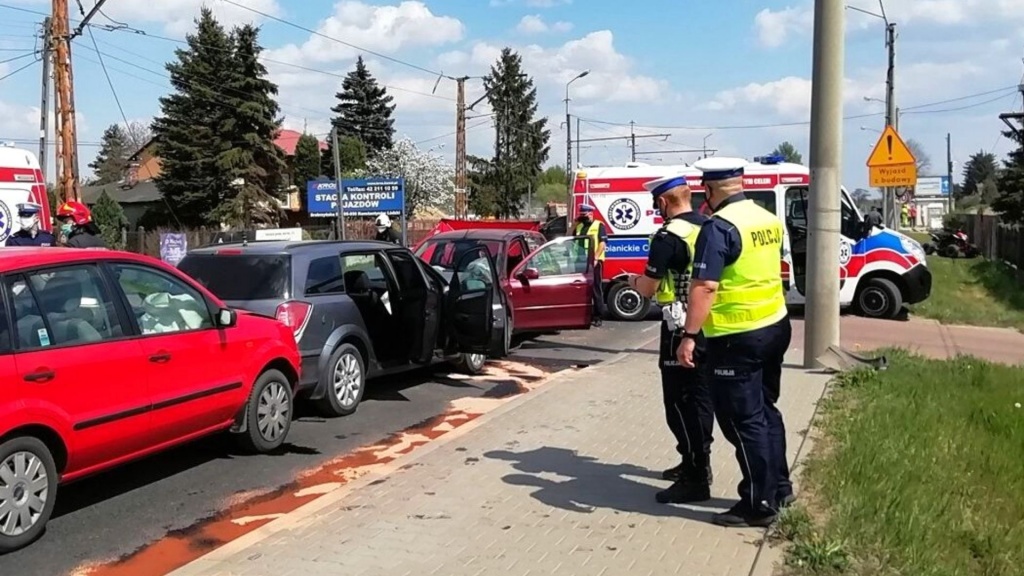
(141, 193)
(287, 140)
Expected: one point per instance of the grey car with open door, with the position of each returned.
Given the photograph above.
(475, 307)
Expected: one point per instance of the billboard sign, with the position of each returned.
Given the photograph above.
(368, 197)
(932, 187)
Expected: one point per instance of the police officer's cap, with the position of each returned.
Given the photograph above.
(662, 185)
(586, 208)
(717, 169)
(29, 208)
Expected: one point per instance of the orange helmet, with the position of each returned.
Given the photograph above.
(78, 213)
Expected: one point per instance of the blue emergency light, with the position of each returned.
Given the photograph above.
(776, 159)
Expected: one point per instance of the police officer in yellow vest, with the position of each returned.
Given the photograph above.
(685, 391)
(736, 297)
(586, 225)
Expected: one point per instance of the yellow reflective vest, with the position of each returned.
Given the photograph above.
(593, 230)
(750, 294)
(667, 292)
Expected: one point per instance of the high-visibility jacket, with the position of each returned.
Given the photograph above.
(750, 294)
(673, 287)
(593, 230)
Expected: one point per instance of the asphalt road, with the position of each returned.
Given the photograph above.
(110, 515)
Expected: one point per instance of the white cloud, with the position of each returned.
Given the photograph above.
(774, 27)
(178, 16)
(384, 29)
(534, 24)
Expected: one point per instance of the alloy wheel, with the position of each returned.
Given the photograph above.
(348, 379)
(273, 411)
(24, 488)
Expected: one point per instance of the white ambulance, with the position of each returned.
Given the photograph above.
(21, 180)
(880, 269)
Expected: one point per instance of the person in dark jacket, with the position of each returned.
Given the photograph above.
(30, 234)
(77, 227)
(386, 231)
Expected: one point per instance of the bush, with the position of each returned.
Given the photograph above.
(954, 221)
(109, 216)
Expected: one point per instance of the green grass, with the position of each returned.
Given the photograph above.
(920, 472)
(975, 292)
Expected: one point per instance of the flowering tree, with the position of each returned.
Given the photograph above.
(429, 180)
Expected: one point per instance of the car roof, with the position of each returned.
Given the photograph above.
(291, 246)
(13, 258)
(478, 234)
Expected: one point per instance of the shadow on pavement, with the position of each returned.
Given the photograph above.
(593, 484)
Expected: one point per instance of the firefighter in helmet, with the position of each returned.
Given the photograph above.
(77, 228)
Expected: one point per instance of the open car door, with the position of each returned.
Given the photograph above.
(551, 289)
(475, 306)
(796, 225)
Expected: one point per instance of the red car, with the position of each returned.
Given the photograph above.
(106, 357)
(548, 284)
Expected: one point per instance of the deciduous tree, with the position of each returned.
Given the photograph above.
(429, 180)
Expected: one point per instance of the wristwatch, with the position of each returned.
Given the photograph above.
(691, 335)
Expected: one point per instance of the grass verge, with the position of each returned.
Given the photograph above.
(920, 471)
(975, 292)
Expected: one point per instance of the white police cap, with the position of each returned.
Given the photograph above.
(720, 168)
(662, 185)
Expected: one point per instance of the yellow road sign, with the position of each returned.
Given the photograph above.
(891, 176)
(891, 150)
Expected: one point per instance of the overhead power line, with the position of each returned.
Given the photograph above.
(16, 70)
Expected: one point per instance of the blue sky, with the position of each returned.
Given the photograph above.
(697, 69)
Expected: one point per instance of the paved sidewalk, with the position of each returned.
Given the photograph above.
(560, 481)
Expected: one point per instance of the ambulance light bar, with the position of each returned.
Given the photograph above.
(776, 159)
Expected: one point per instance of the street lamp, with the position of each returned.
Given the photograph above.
(705, 146)
(568, 145)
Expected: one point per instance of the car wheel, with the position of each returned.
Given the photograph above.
(951, 251)
(879, 298)
(627, 304)
(471, 363)
(28, 489)
(268, 413)
(346, 382)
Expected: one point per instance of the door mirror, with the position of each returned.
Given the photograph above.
(226, 318)
(529, 274)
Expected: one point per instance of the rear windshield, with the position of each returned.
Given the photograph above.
(445, 253)
(241, 276)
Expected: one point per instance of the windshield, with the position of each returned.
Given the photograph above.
(444, 253)
(241, 276)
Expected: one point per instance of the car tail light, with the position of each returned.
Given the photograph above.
(294, 315)
(230, 251)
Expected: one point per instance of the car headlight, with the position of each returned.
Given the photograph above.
(915, 248)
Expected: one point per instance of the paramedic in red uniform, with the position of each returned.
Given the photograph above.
(587, 226)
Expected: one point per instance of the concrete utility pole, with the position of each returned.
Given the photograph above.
(949, 170)
(822, 309)
(461, 200)
(44, 100)
(891, 114)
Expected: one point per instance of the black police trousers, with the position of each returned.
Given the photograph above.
(746, 373)
(686, 393)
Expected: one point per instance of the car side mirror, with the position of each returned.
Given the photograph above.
(529, 274)
(226, 318)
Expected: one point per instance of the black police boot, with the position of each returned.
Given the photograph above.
(742, 516)
(673, 472)
(691, 486)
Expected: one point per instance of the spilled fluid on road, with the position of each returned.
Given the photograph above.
(246, 512)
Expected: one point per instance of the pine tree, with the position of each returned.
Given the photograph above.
(788, 152)
(1010, 197)
(188, 131)
(250, 160)
(980, 168)
(111, 161)
(364, 110)
(109, 216)
(521, 139)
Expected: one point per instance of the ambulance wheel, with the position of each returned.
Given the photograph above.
(626, 304)
(879, 298)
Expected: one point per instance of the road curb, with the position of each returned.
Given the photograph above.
(308, 511)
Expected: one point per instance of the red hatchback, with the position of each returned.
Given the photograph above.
(548, 284)
(107, 356)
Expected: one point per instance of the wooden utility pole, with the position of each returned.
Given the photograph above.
(461, 197)
(64, 104)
